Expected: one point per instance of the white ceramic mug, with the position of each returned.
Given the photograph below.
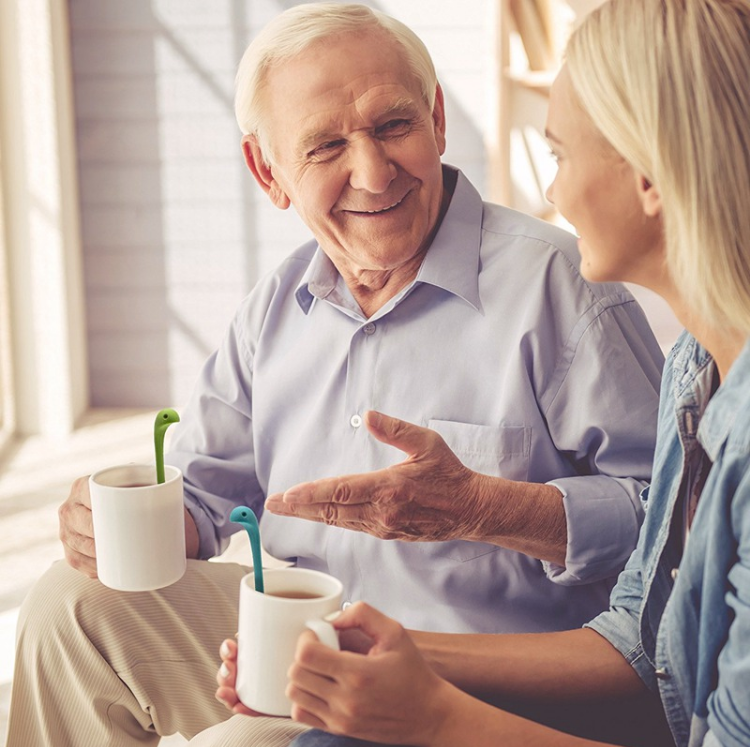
(139, 527)
(270, 624)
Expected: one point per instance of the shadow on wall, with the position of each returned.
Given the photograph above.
(166, 216)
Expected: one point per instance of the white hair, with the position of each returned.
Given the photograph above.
(667, 82)
(297, 28)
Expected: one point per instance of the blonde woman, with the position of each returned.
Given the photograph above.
(650, 123)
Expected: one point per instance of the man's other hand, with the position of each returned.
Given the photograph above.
(77, 528)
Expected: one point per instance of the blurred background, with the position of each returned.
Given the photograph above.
(130, 228)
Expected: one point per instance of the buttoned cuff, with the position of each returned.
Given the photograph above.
(209, 545)
(603, 517)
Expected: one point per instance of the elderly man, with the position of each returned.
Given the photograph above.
(414, 298)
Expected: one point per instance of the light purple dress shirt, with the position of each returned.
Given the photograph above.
(525, 369)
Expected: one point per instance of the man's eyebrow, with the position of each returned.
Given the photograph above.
(404, 107)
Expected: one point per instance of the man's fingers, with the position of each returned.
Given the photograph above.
(412, 439)
(76, 517)
(346, 490)
(79, 492)
(81, 563)
(402, 521)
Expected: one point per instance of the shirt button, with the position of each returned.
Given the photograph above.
(355, 421)
(368, 329)
(674, 573)
(662, 674)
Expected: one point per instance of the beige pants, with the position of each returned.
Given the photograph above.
(99, 668)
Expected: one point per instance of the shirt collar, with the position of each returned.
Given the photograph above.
(730, 399)
(452, 262)
(322, 281)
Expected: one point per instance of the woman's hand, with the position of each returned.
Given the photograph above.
(226, 678)
(388, 694)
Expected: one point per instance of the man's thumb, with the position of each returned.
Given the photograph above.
(408, 437)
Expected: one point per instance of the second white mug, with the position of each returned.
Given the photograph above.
(270, 624)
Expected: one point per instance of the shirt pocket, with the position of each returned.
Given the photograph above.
(499, 450)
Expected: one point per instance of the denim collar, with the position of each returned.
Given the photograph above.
(710, 418)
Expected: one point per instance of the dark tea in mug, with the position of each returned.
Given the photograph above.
(292, 594)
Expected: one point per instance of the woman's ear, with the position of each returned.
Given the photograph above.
(263, 172)
(650, 196)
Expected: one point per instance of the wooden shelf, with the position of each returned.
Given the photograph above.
(533, 80)
(530, 41)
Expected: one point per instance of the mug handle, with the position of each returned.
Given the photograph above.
(326, 633)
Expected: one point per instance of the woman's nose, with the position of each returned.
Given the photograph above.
(549, 193)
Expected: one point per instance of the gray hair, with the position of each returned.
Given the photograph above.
(292, 31)
(667, 84)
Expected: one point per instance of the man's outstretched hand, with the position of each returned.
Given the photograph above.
(430, 496)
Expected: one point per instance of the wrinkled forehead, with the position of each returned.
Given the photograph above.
(339, 82)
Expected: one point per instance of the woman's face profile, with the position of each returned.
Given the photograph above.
(595, 190)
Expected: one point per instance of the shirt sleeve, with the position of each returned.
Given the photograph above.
(602, 410)
(213, 444)
(620, 623)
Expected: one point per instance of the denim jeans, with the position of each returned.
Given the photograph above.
(317, 738)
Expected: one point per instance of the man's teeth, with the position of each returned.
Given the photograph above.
(382, 210)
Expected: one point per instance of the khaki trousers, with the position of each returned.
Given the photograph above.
(100, 668)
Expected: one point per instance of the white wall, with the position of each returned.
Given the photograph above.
(175, 231)
(44, 382)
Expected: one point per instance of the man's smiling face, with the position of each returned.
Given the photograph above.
(356, 150)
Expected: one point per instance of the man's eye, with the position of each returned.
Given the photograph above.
(394, 127)
(326, 149)
(330, 146)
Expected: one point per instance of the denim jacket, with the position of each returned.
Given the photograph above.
(680, 614)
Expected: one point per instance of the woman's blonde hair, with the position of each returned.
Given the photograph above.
(667, 82)
(297, 28)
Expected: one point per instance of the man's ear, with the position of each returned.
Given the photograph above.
(649, 195)
(438, 119)
(263, 172)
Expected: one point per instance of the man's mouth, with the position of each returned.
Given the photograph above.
(380, 211)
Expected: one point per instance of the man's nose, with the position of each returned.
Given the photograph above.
(371, 168)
